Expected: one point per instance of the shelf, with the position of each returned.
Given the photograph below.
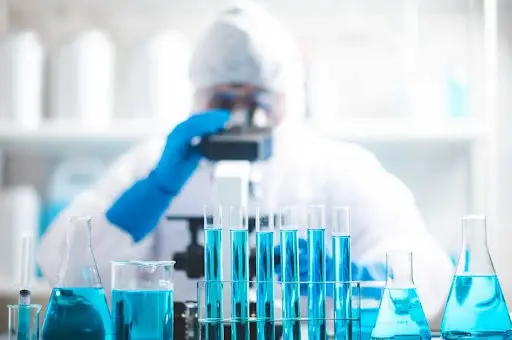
(401, 130)
(68, 137)
(65, 138)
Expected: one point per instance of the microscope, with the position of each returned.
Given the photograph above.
(246, 139)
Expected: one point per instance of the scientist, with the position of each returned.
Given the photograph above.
(247, 55)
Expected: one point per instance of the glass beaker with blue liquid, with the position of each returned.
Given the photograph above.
(78, 307)
(401, 314)
(142, 300)
(476, 307)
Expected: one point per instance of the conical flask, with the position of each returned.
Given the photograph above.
(475, 307)
(78, 308)
(400, 313)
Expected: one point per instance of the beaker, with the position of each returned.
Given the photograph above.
(78, 308)
(476, 306)
(142, 299)
(400, 312)
(371, 295)
(30, 325)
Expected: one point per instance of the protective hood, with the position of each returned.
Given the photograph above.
(245, 45)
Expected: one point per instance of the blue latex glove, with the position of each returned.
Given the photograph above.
(139, 209)
(369, 271)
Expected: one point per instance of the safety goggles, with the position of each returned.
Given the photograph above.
(233, 99)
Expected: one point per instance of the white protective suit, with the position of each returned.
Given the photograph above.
(304, 170)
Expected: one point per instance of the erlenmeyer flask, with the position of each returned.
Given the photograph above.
(475, 307)
(400, 313)
(78, 308)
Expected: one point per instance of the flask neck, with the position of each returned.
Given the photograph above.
(79, 266)
(474, 257)
(399, 270)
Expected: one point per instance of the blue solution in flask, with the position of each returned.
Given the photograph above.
(317, 273)
(78, 308)
(265, 276)
(139, 314)
(342, 271)
(290, 275)
(240, 276)
(476, 307)
(401, 314)
(78, 314)
(214, 329)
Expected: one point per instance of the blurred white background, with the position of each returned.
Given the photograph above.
(422, 83)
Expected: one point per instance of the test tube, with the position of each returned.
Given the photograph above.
(265, 275)
(290, 274)
(239, 232)
(316, 273)
(213, 273)
(26, 272)
(342, 272)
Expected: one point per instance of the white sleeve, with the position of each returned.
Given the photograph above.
(108, 241)
(385, 217)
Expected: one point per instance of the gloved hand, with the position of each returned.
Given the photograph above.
(368, 271)
(138, 210)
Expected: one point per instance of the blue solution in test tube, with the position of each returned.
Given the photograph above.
(214, 329)
(342, 273)
(316, 273)
(290, 274)
(239, 274)
(265, 276)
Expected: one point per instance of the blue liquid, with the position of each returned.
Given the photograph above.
(342, 267)
(77, 314)
(401, 316)
(290, 284)
(476, 308)
(143, 315)
(240, 278)
(265, 278)
(316, 286)
(213, 290)
(368, 320)
(24, 322)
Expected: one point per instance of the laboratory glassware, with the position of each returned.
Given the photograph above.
(316, 272)
(342, 267)
(265, 274)
(400, 312)
(476, 306)
(213, 272)
(78, 308)
(239, 231)
(371, 295)
(142, 299)
(279, 321)
(32, 312)
(290, 273)
(26, 270)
